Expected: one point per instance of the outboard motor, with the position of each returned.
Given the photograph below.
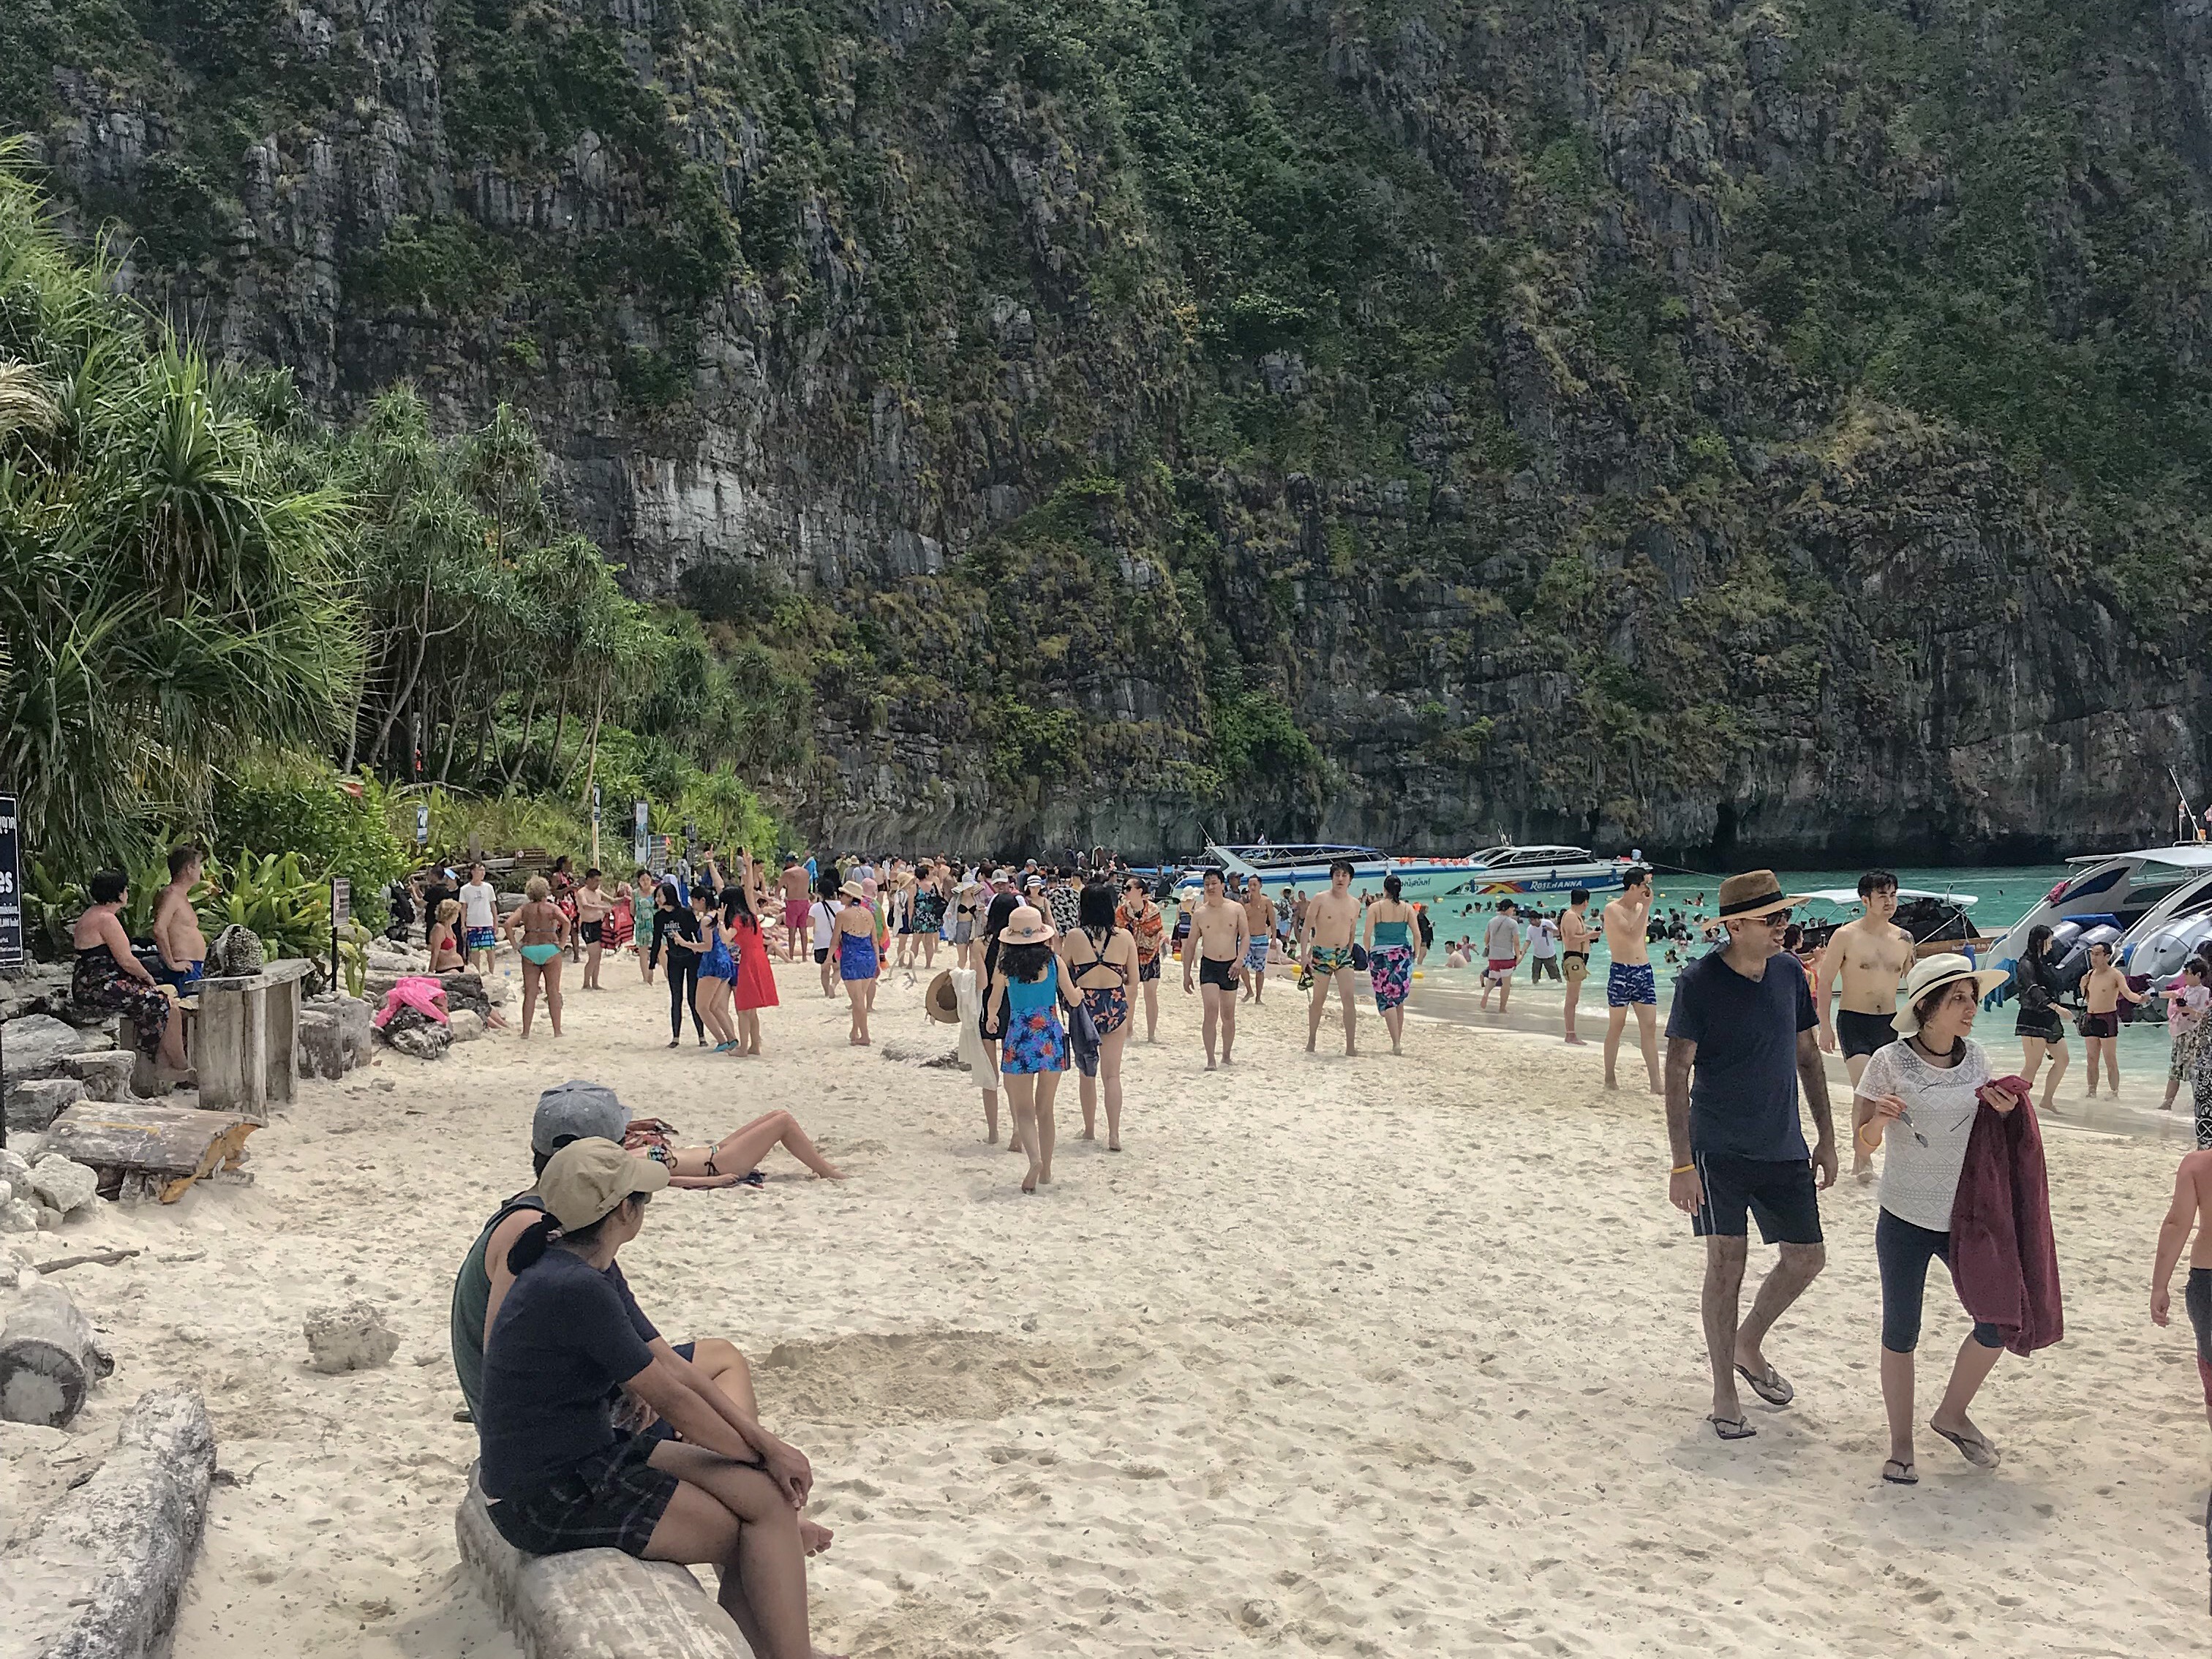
(2062, 935)
(2161, 955)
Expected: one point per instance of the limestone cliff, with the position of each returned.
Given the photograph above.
(1734, 428)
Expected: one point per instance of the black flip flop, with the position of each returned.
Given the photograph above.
(1731, 1428)
(1773, 1387)
(1979, 1453)
(1908, 1478)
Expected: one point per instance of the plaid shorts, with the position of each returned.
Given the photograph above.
(482, 938)
(611, 1500)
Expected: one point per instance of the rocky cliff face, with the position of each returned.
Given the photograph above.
(1771, 429)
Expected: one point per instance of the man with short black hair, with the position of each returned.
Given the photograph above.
(1326, 935)
(1501, 953)
(1629, 980)
(1219, 936)
(1740, 1046)
(1859, 970)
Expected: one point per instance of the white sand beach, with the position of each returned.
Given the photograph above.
(1382, 1355)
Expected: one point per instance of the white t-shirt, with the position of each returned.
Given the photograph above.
(1918, 1184)
(1544, 941)
(825, 924)
(479, 905)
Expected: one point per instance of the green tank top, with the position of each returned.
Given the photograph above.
(1389, 933)
(472, 1301)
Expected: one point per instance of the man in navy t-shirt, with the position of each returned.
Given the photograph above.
(1740, 1041)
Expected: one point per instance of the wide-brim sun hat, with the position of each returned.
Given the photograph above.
(941, 1002)
(1754, 893)
(1931, 972)
(1038, 930)
(852, 889)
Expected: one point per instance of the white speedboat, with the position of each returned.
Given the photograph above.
(2144, 903)
(1496, 871)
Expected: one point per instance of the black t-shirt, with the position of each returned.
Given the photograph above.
(1743, 1088)
(567, 1337)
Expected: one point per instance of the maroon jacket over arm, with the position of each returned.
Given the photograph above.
(2003, 1259)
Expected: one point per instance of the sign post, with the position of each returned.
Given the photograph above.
(422, 826)
(11, 903)
(340, 913)
(595, 823)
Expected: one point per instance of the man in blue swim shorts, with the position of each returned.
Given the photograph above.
(1629, 983)
(1260, 916)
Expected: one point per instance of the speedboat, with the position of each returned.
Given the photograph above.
(2144, 903)
(1496, 871)
(1937, 921)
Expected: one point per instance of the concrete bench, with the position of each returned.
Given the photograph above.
(593, 1604)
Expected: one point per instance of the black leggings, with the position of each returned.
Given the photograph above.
(2198, 1298)
(1903, 1251)
(682, 993)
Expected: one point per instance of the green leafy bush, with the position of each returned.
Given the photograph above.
(331, 825)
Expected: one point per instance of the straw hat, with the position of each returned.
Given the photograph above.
(1754, 893)
(941, 1001)
(1034, 930)
(1929, 974)
(852, 889)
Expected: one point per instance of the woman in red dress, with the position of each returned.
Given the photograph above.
(755, 987)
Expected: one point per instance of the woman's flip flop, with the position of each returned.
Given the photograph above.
(1904, 1477)
(1731, 1428)
(1770, 1388)
(1979, 1453)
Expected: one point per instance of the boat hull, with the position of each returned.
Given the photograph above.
(1425, 881)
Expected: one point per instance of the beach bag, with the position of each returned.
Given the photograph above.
(1082, 1038)
(1358, 959)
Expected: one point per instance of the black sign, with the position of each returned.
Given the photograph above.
(11, 885)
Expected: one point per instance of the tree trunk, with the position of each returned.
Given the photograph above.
(49, 1359)
(592, 742)
(522, 751)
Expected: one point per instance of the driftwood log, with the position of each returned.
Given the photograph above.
(593, 1604)
(49, 1357)
(101, 1576)
(170, 1146)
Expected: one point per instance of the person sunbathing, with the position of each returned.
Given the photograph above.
(733, 1158)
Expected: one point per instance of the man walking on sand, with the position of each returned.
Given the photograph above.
(1259, 928)
(1501, 951)
(1629, 983)
(1740, 1045)
(1331, 920)
(1575, 934)
(1869, 956)
(1219, 936)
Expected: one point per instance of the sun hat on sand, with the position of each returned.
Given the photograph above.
(941, 1001)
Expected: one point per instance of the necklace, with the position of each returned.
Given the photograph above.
(1950, 1053)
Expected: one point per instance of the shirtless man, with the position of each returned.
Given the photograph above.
(1574, 936)
(1259, 927)
(1869, 956)
(2103, 988)
(1324, 936)
(1220, 934)
(2192, 1207)
(797, 889)
(595, 904)
(177, 924)
(1630, 982)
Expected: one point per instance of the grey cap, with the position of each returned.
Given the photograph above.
(576, 1111)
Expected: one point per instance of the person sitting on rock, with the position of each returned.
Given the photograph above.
(109, 979)
(557, 1472)
(570, 1112)
(446, 955)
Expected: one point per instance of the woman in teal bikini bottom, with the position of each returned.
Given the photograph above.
(540, 930)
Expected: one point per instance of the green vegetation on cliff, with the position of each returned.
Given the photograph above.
(1389, 417)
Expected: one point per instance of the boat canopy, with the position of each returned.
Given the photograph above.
(2182, 855)
(1850, 895)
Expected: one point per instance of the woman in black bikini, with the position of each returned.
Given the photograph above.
(2041, 1026)
(1101, 963)
(732, 1159)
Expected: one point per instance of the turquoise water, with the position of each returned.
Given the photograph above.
(2002, 898)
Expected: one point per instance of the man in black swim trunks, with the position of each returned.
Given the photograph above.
(1220, 933)
(1859, 971)
(1739, 1046)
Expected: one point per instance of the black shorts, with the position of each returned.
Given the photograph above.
(1862, 1034)
(611, 1500)
(1147, 969)
(1782, 1195)
(820, 955)
(1210, 972)
(2044, 1024)
(2102, 1025)
(589, 930)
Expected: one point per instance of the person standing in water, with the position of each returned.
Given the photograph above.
(1739, 1046)
(1922, 1092)
(540, 929)
(1630, 982)
(1392, 948)
(1574, 955)
(1219, 936)
(1332, 922)
(1860, 968)
(859, 960)
(2103, 987)
(1501, 954)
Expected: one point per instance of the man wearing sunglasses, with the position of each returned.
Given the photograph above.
(1740, 1045)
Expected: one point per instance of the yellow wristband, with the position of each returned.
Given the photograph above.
(1682, 1168)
